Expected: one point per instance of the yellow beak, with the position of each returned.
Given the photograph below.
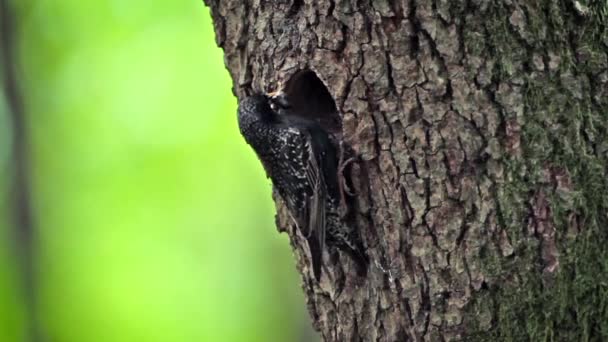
(275, 93)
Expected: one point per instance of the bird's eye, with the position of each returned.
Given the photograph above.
(274, 106)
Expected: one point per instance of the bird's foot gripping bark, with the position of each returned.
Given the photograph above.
(343, 186)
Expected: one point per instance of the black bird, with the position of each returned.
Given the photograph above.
(301, 161)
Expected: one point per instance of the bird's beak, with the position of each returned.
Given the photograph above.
(275, 94)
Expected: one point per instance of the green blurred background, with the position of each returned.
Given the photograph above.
(154, 218)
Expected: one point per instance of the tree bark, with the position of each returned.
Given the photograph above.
(481, 131)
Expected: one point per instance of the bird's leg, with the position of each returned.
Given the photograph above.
(342, 184)
(342, 164)
(341, 168)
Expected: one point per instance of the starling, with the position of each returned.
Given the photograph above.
(301, 161)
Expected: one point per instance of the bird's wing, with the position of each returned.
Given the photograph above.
(302, 187)
(303, 184)
(316, 202)
(291, 179)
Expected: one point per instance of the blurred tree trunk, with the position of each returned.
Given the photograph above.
(21, 220)
(482, 132)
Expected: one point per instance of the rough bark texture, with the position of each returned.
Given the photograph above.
(482, 133)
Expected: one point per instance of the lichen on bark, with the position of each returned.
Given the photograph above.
(481, 129)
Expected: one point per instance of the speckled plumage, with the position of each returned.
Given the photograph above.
(301, 161)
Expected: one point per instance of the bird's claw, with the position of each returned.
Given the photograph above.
(342, 184)
(342, 165)
(341, 169)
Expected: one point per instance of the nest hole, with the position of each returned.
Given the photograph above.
(310, 99)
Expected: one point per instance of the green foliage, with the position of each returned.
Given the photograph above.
(155, 218)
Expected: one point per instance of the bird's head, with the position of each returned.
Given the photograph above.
(264, 107)
(278, 101)
(257, 107)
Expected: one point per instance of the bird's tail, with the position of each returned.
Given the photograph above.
(316, 254)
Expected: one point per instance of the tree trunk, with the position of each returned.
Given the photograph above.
(481, 131)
